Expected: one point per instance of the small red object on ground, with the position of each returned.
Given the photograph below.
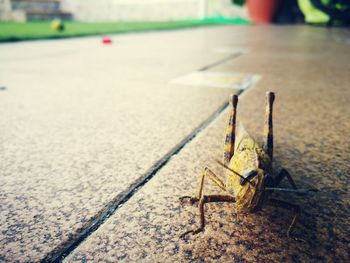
(106, 40)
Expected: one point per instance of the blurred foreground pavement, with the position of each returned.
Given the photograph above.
(83, 124)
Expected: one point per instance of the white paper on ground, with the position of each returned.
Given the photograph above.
(232, 80)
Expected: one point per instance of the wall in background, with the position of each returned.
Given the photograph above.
(117, 10)
(149, 10)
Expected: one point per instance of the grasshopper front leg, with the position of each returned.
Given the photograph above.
(207, 199)
(213, 177)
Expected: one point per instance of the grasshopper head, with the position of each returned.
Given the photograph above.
(248, 187)
(249, 193)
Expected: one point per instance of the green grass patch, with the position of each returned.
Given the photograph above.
(11, 31)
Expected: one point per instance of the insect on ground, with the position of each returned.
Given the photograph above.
(250, 179)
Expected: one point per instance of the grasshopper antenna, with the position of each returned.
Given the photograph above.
(226, 167)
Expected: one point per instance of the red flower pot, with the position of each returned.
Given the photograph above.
(262, 11)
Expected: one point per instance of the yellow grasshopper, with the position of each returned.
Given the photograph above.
(250, 177)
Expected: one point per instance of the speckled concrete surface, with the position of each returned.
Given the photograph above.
(81, 122)
(308, 68)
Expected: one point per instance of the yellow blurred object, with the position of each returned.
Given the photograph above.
(57, 25)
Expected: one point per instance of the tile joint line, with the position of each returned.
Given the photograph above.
(113, 205)
(222, 61)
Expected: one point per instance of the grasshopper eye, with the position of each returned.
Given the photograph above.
(248, 176)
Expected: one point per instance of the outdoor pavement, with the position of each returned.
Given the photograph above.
(84, 124)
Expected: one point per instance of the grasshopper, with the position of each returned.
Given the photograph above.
(249, 172)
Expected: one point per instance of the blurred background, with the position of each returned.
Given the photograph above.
(33, 19)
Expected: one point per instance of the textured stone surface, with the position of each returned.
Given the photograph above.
(309, 71)
(82, 122)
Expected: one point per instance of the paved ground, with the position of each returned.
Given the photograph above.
(84, 123)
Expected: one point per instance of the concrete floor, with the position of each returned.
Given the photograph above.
(85, 123)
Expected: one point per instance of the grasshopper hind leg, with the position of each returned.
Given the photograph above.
(230, 131)
(268, 126)
(296, 209)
